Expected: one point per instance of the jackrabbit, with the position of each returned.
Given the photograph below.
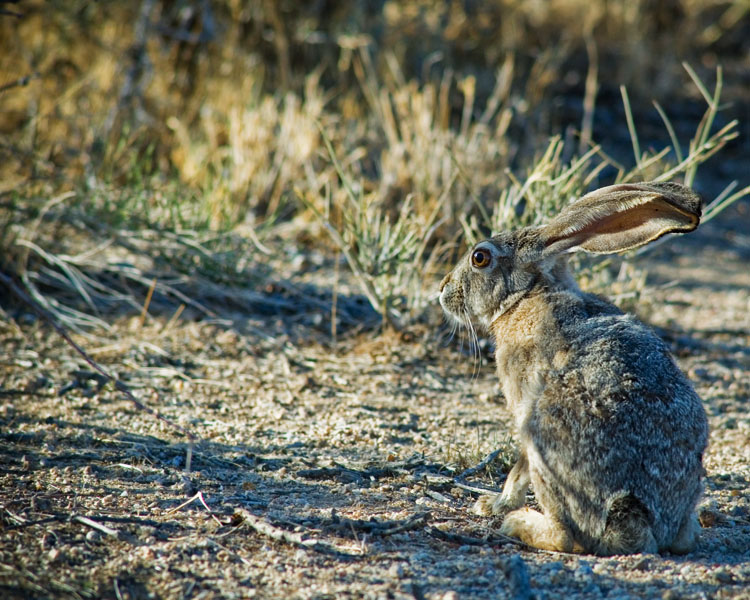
(611, 432)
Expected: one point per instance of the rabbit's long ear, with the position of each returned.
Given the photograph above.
(621, 217)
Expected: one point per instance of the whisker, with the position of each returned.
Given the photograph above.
(475, 349)
(471, 338)
(448, 334)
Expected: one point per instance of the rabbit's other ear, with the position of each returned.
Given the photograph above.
(621, 217)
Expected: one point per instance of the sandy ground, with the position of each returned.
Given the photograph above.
(328, 471)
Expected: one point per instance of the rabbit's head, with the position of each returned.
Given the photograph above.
(499, 271)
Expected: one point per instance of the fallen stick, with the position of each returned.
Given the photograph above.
(481, 465)
(65, 517)
(482, 491)
(456, 538)
(198, 496)
(410, 523)
(98, 526)
(465, 540)
(381, 527)
(290, 537)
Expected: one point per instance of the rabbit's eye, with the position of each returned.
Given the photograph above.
(480, 258)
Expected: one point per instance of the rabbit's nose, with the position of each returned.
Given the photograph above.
(445, 281)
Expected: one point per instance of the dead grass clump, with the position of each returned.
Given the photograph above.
(85, 256)
(183, 129)
(245, 153)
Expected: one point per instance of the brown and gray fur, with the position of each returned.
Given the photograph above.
(610, 430)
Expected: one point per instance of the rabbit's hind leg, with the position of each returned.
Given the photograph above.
(539, 531)
(687, 537)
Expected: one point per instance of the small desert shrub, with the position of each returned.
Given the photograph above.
(407, 129)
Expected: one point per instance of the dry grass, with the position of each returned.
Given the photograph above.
(186, 143)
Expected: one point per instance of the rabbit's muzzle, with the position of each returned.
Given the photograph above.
(452, 299)
(445, 281)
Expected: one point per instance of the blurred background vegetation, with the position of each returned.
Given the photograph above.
(220, 154)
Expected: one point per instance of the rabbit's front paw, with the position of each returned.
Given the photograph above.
(513, 494)
(492, 505)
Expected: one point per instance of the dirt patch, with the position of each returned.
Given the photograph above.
(330, 471)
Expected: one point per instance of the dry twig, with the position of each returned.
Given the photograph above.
(465, 540)
(487, 460)
(97, 526)
(199, 497)
(383, 528)
(289, 537)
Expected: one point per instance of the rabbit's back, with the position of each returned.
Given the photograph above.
(613, 418)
